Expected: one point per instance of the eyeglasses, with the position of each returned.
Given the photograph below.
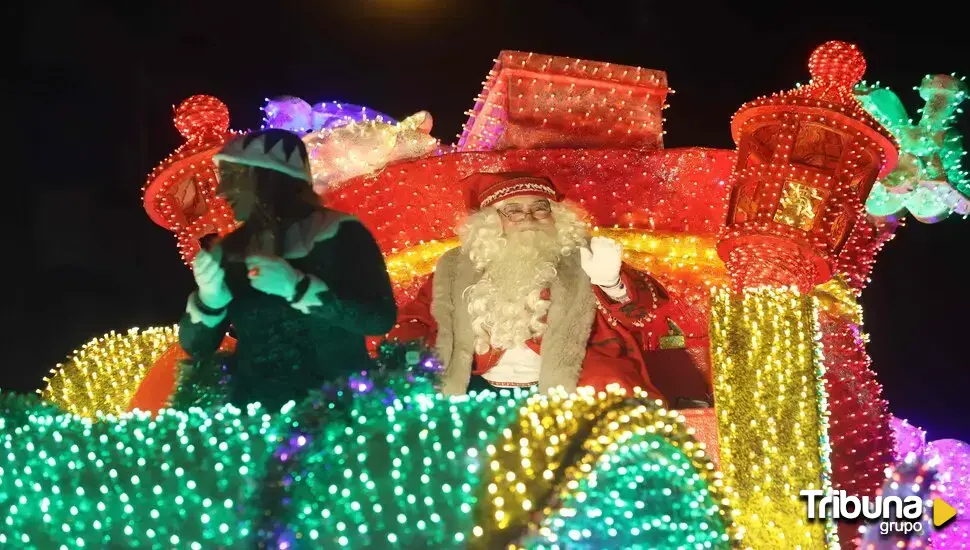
(515, 213)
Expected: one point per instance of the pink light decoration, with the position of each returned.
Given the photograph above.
(954, 536)
(909, 438)
(953, 473)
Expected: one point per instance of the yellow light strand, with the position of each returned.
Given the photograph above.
(103, 376)
(664, 255)
(538, 456)
(771, 408)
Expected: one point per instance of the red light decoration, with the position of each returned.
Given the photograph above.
(156, 389)
(533, 101)
(858, 257)
(807, 159)
(681, 193)
(860, 432)
(180, 192)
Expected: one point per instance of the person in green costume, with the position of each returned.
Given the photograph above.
(302, 286)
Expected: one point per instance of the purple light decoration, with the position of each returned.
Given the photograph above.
(293, 446)
(333, 114)
(296, 115)
(360, 383)
(288, 113)
(389, 397)
(909, 438)
(284, 539)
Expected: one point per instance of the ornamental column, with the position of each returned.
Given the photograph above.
(807, 160)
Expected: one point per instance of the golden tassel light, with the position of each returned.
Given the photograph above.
(772, 412)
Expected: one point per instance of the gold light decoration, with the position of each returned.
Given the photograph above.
(662, 254)
(416, 261)
(546, 467)
(798, 206)
(839, 299)
(665, 255)
(105, 373)
(772, 412)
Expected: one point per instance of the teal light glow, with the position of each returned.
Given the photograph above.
(930, 181)
(326, 470)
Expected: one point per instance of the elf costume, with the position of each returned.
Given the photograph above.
(300, 316)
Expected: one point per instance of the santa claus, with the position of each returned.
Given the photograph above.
(529, 299)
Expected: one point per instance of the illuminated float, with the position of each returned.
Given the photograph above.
(773, 243)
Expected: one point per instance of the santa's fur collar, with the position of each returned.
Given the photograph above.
(570, 322)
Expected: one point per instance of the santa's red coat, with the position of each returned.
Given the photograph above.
(623, 335)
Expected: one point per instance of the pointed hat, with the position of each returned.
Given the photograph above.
(272, 149)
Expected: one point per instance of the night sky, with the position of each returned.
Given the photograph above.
(96, 82)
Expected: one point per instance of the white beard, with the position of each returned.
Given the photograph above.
(506, 306)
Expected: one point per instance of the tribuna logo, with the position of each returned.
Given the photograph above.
(897, 514)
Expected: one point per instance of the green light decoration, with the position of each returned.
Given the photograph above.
(375, 461)
(930, 181)
(176, 481)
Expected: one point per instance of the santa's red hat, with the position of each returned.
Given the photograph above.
(484, 189)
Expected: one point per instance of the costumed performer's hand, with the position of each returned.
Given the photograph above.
(273, 275)
(211, 279)
(602, 261)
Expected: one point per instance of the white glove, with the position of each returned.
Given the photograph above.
(602, 260)
(273, 275)
(211, 279)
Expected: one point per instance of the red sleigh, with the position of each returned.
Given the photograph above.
(597, 129)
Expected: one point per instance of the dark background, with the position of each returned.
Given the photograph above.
(95, 83)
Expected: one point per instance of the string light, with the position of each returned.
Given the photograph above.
(667, 208)
(296, 115)
(860, 430)
(338, 154)
(540, 483)
(858, 257)
(909, 438)
(137, 481)
(913, 477)
(103, 376)
(532, 101)
(772, 413)
(687, 263)
(377, 459)
(180, 194)
(952, 458)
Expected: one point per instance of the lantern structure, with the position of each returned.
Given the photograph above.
(807, 159)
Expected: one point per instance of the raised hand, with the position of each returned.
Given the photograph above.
(211, 279)
(602, 261)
